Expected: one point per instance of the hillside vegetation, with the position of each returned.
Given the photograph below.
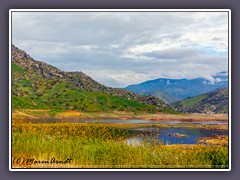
(38, 85)
(212, 102)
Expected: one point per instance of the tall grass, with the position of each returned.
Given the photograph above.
(97, 146)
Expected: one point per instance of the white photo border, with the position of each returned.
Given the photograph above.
(117, 10)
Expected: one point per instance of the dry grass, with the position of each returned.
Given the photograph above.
(33, 113)
(214, 140)
(69, 114)
(99, 146)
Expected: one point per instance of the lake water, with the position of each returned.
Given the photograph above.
(168, 135)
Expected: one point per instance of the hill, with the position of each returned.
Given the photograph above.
(212, 102)
(36, 84)
(172, 90)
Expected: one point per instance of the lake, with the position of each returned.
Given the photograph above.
(166, 135)
(169, 135)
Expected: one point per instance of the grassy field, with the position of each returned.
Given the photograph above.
(99, 146)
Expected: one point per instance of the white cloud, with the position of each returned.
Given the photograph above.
(120, 78)
(122, 48)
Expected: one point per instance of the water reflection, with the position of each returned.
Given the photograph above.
(171, 135)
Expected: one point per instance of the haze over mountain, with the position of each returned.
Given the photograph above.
(215, 101)
(172, 90)
(36, 84)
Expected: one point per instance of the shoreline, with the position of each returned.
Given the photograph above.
(114, 115)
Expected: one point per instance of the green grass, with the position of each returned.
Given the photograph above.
(60, 96)
(18, 103)
(30, 89)
(192, 101)
(16, 68)
(98, 146)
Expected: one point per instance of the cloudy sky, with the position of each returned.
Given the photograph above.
(122, 48)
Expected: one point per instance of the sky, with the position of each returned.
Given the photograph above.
(122, 48)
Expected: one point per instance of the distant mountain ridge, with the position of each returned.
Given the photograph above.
(35, 78)
(215, 101)
(172, 90)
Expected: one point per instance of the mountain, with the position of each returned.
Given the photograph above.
(215, 101)
(172, 90)
(36, 84)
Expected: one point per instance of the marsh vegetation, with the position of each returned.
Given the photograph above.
(98, 145)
